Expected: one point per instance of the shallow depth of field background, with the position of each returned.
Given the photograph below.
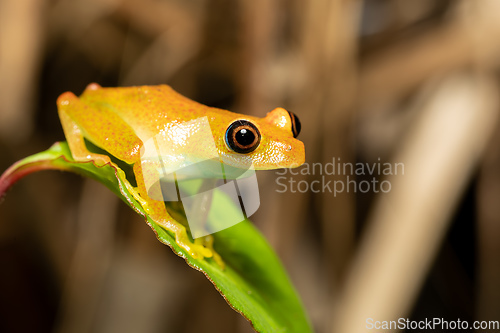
(414, 82)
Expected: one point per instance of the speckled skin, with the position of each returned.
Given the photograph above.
(120, 120)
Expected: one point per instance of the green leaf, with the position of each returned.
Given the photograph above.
(253, 282)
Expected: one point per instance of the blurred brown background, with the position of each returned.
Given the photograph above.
(413, 82)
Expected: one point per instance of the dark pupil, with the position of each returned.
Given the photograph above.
(244, 137)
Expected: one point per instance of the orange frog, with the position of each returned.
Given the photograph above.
(121, 121)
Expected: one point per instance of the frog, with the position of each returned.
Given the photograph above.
(121, 120)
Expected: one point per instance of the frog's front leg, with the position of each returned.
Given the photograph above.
(74, 135)
(75, 116)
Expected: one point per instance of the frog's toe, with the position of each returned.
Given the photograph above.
(199, 251)
(208, 242)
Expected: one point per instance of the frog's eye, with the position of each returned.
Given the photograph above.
(295, 124)
(242, 136)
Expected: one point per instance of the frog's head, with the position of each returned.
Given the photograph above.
(268, 143)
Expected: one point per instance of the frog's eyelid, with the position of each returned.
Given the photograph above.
(242, 122)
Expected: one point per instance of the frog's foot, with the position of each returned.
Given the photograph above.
(156, 210)
(201, 247)
(196, 249)
(208, 242)
(100, 160)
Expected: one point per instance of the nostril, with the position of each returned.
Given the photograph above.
(295, 124)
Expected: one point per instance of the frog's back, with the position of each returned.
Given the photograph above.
(146, 109)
